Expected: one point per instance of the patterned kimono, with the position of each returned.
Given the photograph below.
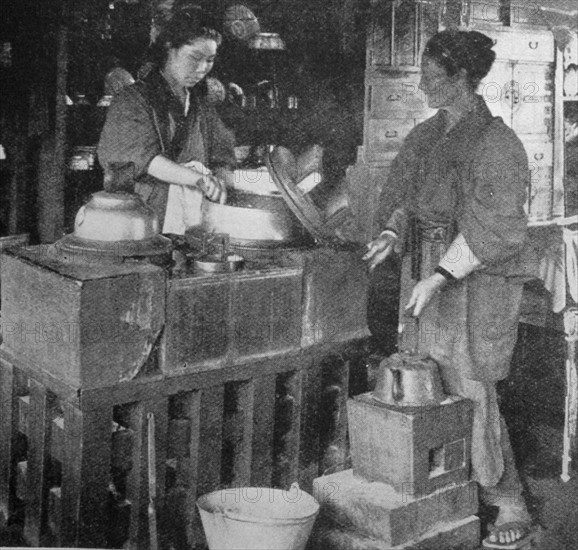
(471, 180)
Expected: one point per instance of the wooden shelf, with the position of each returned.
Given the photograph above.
(554, 221)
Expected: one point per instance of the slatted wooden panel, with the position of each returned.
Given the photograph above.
(251, 425)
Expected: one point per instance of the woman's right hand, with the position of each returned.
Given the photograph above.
(379, 250)
(213, 188)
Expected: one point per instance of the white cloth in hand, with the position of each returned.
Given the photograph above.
(184, 204)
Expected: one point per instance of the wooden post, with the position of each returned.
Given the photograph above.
(85, 475)
(558, 208)
(571, 404)
(37, 463)
(211, 438)
(243, 425)
(51, 180)
(7, 431)
(287, 430)
(310, 413)
(263, 420)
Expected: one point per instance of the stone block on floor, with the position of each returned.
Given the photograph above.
(458, 535)
(377, 510)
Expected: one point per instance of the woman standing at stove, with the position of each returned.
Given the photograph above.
(457, 190)
(164, 126)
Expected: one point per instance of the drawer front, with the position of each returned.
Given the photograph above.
(526, 13)
(533, 46)
(385, 136)
(540, 150)
(396, 98)
(482, 12)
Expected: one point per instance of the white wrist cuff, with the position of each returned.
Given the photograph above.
(390, 232)
(459, 259)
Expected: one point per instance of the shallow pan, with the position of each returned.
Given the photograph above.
(217, 264)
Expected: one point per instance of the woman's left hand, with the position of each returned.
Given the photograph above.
(424, 291)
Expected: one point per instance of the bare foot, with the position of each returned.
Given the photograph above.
(511, 527)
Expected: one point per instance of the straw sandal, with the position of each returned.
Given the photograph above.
(527, 535)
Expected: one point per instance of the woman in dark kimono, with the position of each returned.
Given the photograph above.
(164, 126)
(453, 205)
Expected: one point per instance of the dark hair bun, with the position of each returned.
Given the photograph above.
(468, 50)
(481, 56)
(479, 40)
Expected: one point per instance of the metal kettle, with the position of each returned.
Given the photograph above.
(408, 379)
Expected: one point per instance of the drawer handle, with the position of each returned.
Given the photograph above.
(394, 97)
(391, 133)
(533, 44)
(538, 156)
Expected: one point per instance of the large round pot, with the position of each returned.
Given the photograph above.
(254, 220)
(409, 380)
(116, 217)
(113, 227)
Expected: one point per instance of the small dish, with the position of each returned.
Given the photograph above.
(210, 263)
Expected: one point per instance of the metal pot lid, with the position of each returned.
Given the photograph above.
(71, 248)
(283, 167)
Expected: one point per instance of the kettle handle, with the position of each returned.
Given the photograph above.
(397, 385)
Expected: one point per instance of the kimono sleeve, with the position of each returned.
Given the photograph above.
(129, 133)
(396, 194)
(493, 221)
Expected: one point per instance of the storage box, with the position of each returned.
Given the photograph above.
(88, 326)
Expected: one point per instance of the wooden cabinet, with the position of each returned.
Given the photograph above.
(398, 32)
(520, 89)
